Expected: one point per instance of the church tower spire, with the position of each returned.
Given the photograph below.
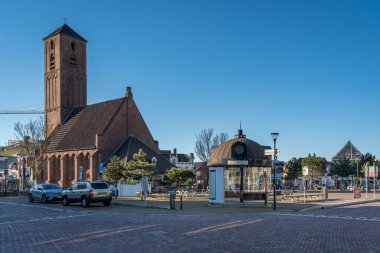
(65, 75)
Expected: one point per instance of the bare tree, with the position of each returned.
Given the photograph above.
(31, 137)
(206, 140)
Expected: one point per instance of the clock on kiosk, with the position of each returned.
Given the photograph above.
(239, 151)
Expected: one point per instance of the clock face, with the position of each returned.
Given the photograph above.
(239, 149)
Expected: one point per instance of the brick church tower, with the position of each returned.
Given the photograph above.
(65, 75)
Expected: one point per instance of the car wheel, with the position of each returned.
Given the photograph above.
(44, 199)
(85, 202)
(107, 203)
(31, 198)
(65, 201)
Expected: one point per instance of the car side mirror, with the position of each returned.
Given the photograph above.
(70, 188)
(40, 189)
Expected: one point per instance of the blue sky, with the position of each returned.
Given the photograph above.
(306, 69)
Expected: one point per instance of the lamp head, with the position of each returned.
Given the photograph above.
(274, 136)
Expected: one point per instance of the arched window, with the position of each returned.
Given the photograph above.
(52, 61)
(73, 46)
(73, 61)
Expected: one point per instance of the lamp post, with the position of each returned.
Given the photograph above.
(274, 137)
(357, 169)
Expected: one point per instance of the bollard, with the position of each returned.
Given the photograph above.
(172, 199)
(181, 206)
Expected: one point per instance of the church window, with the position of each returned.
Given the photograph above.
(51, 44)
(73, 46)
(73, 61)
(52, 61)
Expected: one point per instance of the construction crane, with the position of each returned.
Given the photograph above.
(36, 109)
(21, 112)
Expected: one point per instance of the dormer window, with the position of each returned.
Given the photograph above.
(52, 61)
(73, 46)
(154, 160)
(73, 61)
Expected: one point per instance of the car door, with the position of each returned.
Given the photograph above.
(81, 188)
(71, 192)
(33, 191)
(39, 192)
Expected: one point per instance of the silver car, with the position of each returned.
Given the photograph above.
(87, 192)
(45, 193)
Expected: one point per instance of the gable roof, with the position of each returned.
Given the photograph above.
(65, 29)
(200, 166)
(132, 145)
(82, 125)
(184, 158)
(348, 149)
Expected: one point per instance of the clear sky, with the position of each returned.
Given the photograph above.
(306, 69)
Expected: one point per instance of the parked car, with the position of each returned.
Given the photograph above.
(87, 192)
(45, 192)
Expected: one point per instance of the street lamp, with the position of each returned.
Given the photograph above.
(357, 169)
(274, 137)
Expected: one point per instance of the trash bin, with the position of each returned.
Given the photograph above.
(172, 199)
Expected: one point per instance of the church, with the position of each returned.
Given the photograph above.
(80, 137)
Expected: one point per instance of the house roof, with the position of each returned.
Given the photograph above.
(348, 149)
(132, 145)
(181, 157)
(65, 29)
(200, 166)
(82, 125)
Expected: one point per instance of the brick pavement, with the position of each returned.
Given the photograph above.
(34, 227)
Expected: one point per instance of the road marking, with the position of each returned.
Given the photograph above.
(330, 217)
(45, 219)
(38, 206)
(57, 209)
(223, 226)
(95, 234)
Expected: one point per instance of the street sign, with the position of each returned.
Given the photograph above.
(81, 172)
(305, 170)
(271, 152)
(357, 192)
(373, 171)
(101, 167)
(237, 162)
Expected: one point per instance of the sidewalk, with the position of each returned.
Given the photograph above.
(201, 205)
(339, 203)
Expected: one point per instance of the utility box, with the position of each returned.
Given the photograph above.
(216, 185)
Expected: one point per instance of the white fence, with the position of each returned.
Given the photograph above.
(130, 190)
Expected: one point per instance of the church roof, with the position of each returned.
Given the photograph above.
(132, 145)
(65, 29)
(82, 125)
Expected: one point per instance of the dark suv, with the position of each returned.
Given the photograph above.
(87, 192)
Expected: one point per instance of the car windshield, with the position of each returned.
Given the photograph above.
(99, 185)
(51, 186)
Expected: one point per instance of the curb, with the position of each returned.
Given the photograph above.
(138, 206)
(340, 205)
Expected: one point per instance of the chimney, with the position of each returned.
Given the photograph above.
(174, 152)
(128, 92)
